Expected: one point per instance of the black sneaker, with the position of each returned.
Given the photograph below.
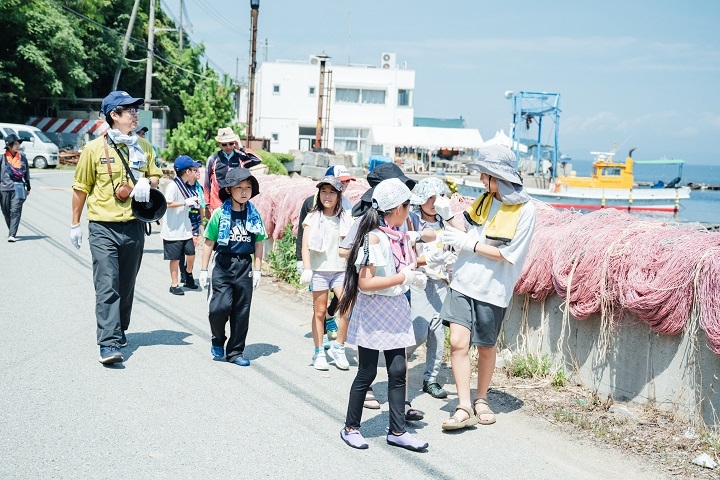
(177, 290)
(190, 282)
(123, 340)
(434, 389)
(110, 355)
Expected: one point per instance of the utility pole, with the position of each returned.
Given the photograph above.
(116, 80)
(180, 29)
(254, 10)
(321, 98)
(265, 52)
(149, 69)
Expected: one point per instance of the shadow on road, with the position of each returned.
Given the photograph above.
(258, 350)
(25, 238)
(157, 337)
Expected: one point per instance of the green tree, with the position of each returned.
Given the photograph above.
(209, 108)
(58, 50)
(40, 56)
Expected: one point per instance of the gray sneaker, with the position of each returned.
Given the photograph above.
(434, 389)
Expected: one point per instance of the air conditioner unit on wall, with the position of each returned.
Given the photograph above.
(388, 60)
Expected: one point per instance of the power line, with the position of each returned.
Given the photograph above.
(140, 43)
(217, 16)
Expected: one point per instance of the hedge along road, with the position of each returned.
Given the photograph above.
(171, 411)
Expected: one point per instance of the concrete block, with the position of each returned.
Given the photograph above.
(312, 171)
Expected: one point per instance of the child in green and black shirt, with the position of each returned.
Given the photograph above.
(235, 232)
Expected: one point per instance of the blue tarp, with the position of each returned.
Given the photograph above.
(375, 160)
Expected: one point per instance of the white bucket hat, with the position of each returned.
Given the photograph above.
(497, 161)
(390, 193)
(426, 188)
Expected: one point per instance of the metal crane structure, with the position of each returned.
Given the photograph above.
(536, 115)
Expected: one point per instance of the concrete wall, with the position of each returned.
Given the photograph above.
(676, 373)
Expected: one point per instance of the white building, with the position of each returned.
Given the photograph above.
(361, 96)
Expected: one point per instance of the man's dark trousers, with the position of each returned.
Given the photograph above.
(117, 249)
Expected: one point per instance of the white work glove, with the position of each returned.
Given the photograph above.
(439, 258)
(414, 236)
(141, 191)
(410, 275)
(458, 239)
(192, 201)
(76, 235)
(300, 267)
(442, 207)
(306, 277)
(256, 278)
(420, 280)
(203, 278)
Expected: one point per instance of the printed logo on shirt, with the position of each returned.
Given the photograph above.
(239, 234)
(103, 160)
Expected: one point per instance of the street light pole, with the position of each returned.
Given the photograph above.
(254, 10)
(148, 69)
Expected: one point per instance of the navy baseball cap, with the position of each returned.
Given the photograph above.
(118, 98)
(183, 161)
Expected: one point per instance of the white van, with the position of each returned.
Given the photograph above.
(40, 151)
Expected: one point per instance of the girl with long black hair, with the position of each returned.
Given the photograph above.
(380, 269)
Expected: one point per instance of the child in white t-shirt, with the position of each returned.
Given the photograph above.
(176, 229)
(324, 227)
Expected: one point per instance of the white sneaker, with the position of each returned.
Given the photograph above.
(338, 354)
(11, 239)
(320, 361)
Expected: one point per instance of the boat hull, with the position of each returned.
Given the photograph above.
(636, 199)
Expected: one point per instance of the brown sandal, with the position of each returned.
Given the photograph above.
(483, 409)
(460, 424)
(370, 401)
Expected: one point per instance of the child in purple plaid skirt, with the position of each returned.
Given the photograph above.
(381, 268)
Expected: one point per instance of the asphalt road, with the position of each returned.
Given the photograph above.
(172, 412)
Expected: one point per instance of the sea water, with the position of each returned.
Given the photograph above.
(703, 205)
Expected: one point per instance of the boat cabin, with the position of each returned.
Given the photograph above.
(605, 174)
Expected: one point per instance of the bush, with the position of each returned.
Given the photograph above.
(284, 157)
(529, 366)
(282, 259)
(274, 165)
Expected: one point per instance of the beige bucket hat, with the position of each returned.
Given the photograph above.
(226, 135)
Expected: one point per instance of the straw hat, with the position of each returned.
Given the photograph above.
(226, 135)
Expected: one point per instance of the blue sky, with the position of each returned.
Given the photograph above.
(642, 74)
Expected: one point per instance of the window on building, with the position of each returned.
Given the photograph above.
(350, 139)
(276, 89)
(347, 95)
(275, 137)
(311, 91)
(376, 97)
(404, 98)
(357, 95)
